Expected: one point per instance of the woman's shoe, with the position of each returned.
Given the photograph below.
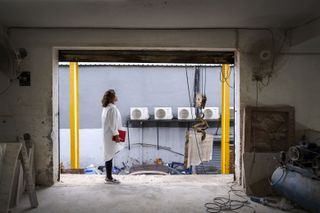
(111, 181)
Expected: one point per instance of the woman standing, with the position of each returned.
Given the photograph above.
(111, 123)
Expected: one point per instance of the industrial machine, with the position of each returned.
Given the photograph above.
(298, 177)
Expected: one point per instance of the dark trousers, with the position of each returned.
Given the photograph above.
(109, 169)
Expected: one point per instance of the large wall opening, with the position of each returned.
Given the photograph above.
(137, 87)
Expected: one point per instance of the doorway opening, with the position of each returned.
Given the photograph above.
(168, 88)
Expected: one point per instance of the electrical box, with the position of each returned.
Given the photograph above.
(25, 79)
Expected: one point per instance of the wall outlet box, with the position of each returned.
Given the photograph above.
(24, 79)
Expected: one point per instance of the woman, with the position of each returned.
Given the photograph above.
(111, 123)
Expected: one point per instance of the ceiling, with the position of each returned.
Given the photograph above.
(158, 13)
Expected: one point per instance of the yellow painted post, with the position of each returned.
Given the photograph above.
(225, 119)
(74, 116)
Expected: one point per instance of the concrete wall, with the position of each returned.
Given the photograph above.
(295, 83)
(35, 112)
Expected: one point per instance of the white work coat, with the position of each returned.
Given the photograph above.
(111, 123)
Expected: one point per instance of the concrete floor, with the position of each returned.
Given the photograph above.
(136, 194)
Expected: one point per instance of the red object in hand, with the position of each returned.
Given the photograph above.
(122, 136)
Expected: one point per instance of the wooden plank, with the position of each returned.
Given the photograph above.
(141, 56)
(10, 168)
(21, 182)
(32, 167)
(21, 186)
(16, 186)
(28, 177)
(7, 174)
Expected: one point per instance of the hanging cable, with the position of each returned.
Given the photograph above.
(189, 94)
(234, 107)
(155, 146)
(203, 92)
(224, 78)
(202, 81)
(194, 131)
(205, 81)
(5, 89)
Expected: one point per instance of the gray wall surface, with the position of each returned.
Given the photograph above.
(135, 86)
(145, 86)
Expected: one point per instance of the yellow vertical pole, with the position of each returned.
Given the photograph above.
(225, 119)
(74, 116)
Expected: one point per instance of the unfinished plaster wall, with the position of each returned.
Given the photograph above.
(29, 110)
(2, 153)
(3, 85)
(295, 82)
(6, 120)
(33, 109)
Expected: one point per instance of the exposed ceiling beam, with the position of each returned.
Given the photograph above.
(305, 32)
(198, 57)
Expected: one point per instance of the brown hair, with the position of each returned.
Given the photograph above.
(108, 97)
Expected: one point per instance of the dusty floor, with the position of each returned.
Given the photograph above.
(135, 194)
